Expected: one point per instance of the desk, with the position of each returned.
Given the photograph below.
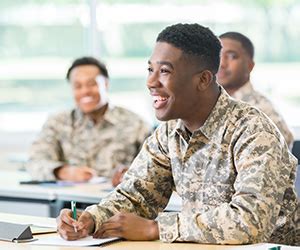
(43, 200)
(48, 200)
(15, 197)
(125, 245)
(129, 245)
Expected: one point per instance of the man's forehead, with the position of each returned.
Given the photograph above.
(83, 78)
(167, 49)
(231, 44)
(165, 52)
(85, 69)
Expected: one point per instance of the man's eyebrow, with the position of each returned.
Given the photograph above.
(230, 51)
(163, 63)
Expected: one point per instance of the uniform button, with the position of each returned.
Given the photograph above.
(169, 236)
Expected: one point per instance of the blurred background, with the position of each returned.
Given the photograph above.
(40, 38)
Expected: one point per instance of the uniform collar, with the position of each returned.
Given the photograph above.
(214, 124)
(81, 118)
(246, 89)
(110, 116)
(180, 129)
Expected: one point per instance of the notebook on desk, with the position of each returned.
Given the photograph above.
(41, 230)
(87, 241)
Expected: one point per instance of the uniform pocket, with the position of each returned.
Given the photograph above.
(214, 194)
(211, 194)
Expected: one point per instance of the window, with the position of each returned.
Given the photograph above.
(40, 39)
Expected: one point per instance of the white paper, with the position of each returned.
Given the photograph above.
(58, 241)
(266, 246)
(98, 180)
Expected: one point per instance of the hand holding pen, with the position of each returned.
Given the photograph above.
(73, 229)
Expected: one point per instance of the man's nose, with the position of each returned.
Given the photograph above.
(86, 89)
(223, 62)
(153, 80)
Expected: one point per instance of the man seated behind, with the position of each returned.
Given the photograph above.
(227, 161)
(93, 139)
(234, 75)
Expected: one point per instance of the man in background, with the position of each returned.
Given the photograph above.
(234, 75)
(226, 160)
(93, 139)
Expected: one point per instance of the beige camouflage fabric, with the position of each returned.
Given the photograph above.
(235, 175)
(248, 94)
(72, 138)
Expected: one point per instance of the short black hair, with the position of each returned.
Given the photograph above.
(194, 40)
(88, 61)
(245, 41)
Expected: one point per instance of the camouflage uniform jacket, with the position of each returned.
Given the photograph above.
(247, 94)
(235, 176)
(72, 138)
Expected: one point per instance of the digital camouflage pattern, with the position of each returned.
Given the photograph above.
(235, 175)
(248, 94)
(72, 138)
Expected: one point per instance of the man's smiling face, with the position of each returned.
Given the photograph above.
(170, 82)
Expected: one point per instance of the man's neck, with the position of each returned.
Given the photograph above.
(232, 89)
(97, 115)
(204, 110)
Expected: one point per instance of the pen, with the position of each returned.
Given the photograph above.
(74, 213)
(34, 182)
(275, 248)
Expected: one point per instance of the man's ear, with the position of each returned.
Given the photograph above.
(204, 78)
(251, 64)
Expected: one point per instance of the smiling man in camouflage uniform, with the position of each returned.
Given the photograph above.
(226, 160)
(94, 139)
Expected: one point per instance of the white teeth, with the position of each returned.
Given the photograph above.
(86, 99)
(159, 98)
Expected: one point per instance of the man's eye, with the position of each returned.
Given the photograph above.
(232, 56)
(164, 71)
(150, 69)
(92, 84)
(76, 86)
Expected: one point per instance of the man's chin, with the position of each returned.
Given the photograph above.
(224, 83)
(88, 111)
(162, 116)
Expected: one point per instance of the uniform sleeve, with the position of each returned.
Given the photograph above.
(267, 107)
(45, 154)
(263, 167)
(147, 185)
(143, 132)
(283, 128)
